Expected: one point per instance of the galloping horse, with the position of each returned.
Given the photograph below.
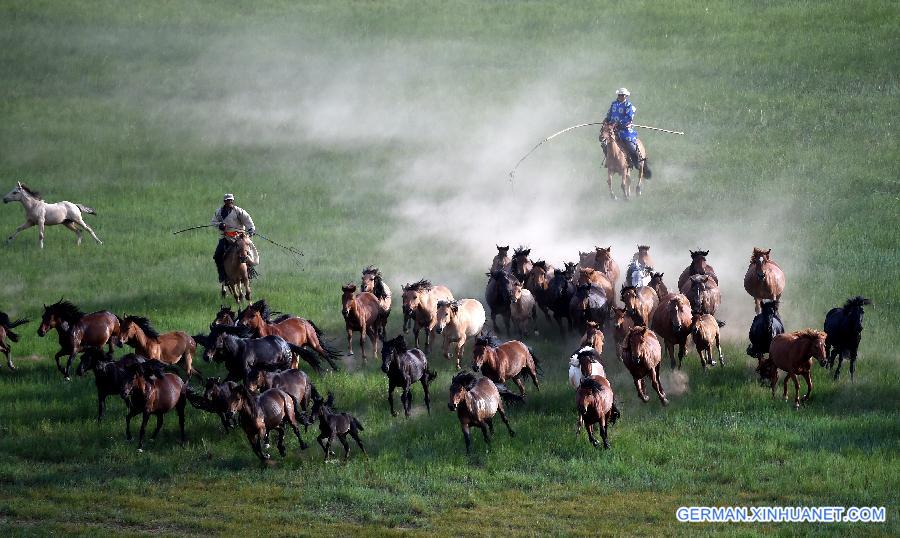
(78, 331)
(509, 360)
(271, 410)
(476, 401)
(373, 282)
(170, 348)
(420, 301)
(538, 283)
(501, 261)
(39, 213)
(237, 268)
(705, 332)
(458, 320)
(617, 162)
(404, 367)
(844, 327)
(6, 331)
(639, 303)
(560, 295)
(589, 275)
(589, 303)
(672, 321)
(584, 363)
(297, 331)
(764, 279)
(148, 392)
(765, 326)
(521, 265)
(604, 262)
(656, 282)
(793, 353)
(698, 266)
(703, 293)
(622, 324)
(642, 355)
(594, 401)
(498, 296)
(363, 313)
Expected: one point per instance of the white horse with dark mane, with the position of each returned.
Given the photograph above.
(39, 213)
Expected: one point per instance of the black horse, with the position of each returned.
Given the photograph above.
(560, 295)
(765, 326)
(241, 354)
(215, 399)
(844, 329)
(498, 296)
(333, 425)
(588, 304)
(110, 375)
(403, 368)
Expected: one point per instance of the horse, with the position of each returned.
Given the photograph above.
(698, 266)
(148, 392)
(261, 414)
(793, 353)
(584, 363)
(672, 321)
(594, 401)
(765, 326)
(476, 401)
(215, 399)
(77, 330)
(420, 301)
(363, 313)
(642, 356)
(457, 321)
(522, 308)
(705, 333)
(298, 331)
(520, 265)
(241, 354)
(538, 283)
(373, 282)
(589, 275)
(703, 293)
(404, 367)
(498, 297)
(238, 273)
(844, 329)
(501, 261)
(642, 257)
(39, 213)
(175, 347)
(616, 160)
(589, 303)
(622, 324)
(593, 337)
(604, 263)
(639, 303)
(110, 375)
(335, 425)
(509, 360)
(294, 382)
(764, 279)
(656, 282)
(225, 316)
(6, 331)
(560, 293)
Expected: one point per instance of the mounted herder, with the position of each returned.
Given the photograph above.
(621, 147)
(235, 255)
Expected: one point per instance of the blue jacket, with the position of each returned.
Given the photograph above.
(623, 114)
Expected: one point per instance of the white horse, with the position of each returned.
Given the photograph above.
(575, 373)
(637, 274)
(39, 213)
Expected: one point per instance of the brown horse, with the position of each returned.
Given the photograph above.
(642, 256)
(225, 316)
(764, 279)
(298, 331)
(589, 275)
(639, 303)
(501, 261)
(373, 282)
(521, 265)
(642, 356)
(175, 347)
(237, 268)
(622, 324)
(363, 313)
(698, 266)
(594, 401)
(604, 262)
(148, 392)
(261, 414)
(705, 332)
(617, 162)
(476, 401)
(593, 337)
(78, 331)
(672, 321)
(703, 293)
(6, 332)
(420, 301)
(538, 283)
(793, 353)
(656, 282)
(509, 360)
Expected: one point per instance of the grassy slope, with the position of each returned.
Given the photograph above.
(817, 81)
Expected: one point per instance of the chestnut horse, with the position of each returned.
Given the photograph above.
(420, 301)
(593, 337)
(363, 313)
(594, 401)
(237, 268)
(175, 347)
(705, 332)
(642, 356)
(639, 303)
(584, 363)
(604, 263)
(476, 401)
(78, 331)
(589, 275)
(373, 282)
(6, 331)
(538, 283)
(298, 331)
(509, 360)
(698, 266)
(617, 162)
(703, 293)
(793, 353)
(764, 279)
(225, 316)
(148, 392)
(656, 282)
(672, 321)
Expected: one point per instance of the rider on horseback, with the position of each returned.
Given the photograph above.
(621, 114)
(232, 221)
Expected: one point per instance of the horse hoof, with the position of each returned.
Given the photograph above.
(140, 450)
(665, 402)
(638, 191)
(267, 446)
(645, 399)
(68, 378)
(613, 196)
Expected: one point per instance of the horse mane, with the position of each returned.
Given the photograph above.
(465, 379)
(643, 247)
(398, 343)
(66, 310)
(681, 300)
(521, 250)
(856, 302)
(30, 191)
(699, 253)
(592, 385)
(249, 399)
(240, 331)
(542, 264)
(812, 334)
(487, 339)
(145, 326)
(757, 252)
(422, 285)
(372, 270)
(262, 307)
(625, 289)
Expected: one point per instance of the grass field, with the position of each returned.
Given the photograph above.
(383, 132)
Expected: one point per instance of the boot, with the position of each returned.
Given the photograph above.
(221, 269)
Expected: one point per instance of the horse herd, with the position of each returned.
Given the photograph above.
(261, 350)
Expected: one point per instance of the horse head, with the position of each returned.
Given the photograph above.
(699, 286)
(853, 310)
(459, 386)
(369, 276)
(483, 349)
(348, 298)
(390, 349)
(679, 313)
(446, 310)
(759, 259)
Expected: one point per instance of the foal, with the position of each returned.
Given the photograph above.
(403, 368)
(705, 332)
(362, 313)
(335, 425)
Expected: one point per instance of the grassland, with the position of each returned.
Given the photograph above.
(339, 126)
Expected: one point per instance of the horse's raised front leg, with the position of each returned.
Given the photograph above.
(27, 224)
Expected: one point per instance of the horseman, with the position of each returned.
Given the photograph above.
(231, 221)
(621, 115)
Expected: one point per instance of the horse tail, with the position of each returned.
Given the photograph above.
(430, 375)
(307, 355)
(14, 324)
(507, 395)
(356, 423)
(537, 363)
(86, 209)
(647, 173)
(614, 414)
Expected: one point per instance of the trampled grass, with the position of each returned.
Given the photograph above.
(368, 133)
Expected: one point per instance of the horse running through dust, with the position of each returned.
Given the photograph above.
(764, 279)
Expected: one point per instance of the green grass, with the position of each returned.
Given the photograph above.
(367, 132)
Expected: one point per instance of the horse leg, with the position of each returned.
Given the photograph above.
(756, 304)
(331, 439)
(159, 423)
(796, 390)
(179, 408)
(808, 380)
(840, 356)
(391, 388)
(719, 349)
(467, 437)
(604, 427)
(69, 364)
(502, 411)
(349, 341)
(407, 398)
(590, 432)
(852, 364)
(101, 407)
(281, 450)
(27, 224)
(128, 415)
(609, 176)
(343, 440)
(681, 354)
(80, 221)
(670, 351)
(657, 386)
(144, 419)
(362, 340)
(41, 232)
(484, 432)
(425, 390)
(303, 445)
(639, 384)
(519, 384)
(532, 373)
(355, 435)
(71, 225)
(626, 185)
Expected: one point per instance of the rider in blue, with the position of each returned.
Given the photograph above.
(621, 112)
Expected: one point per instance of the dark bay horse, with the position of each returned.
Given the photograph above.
(765, 326)
(174, 347)
(476, 401)
(110, 375)
(404, 367)
(148, 392)
(793, 353)
(363, 313)
(509, 360)
(259, 415)
(501, 261)
(6, 332)
(639, 303)
(604, 262)
(764, 279)
(698, 266)
(334, 425)
(78, 331)
(225, 316)
(703, 293)
(538, 283)
(844, 328)
(560, 292)
(297, 331)
(242, 354)
(594, 401)
(656, 283)
(498, 295)
(672, 321)
(642, 355)
(521, 265)
(294, 382)
(589, 303)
